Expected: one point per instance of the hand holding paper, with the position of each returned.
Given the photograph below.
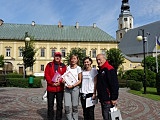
(69, 78)
(56, 77)
(91, 102)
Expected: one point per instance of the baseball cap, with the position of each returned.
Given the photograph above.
(57, 54)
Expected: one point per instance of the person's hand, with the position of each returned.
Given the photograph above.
(70, 86)
(56, 84)
(114, 102)
(93, 96)
(62, 80)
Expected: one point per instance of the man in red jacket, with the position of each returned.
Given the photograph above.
(55, 89)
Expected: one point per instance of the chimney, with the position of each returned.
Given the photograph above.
(59, 24)
(33, 23)
(94, 25)
(1, 22)
(77, 25)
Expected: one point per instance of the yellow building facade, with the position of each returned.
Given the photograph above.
(47, 40)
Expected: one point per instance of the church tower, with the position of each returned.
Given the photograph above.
(125, 20)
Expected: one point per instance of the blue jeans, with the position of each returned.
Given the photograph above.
(71, 99)
(59, 102)
(105, 111)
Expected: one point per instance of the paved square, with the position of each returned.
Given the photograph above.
(27, 104)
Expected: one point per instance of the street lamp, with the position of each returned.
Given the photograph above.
(139, 38)
(27, 39)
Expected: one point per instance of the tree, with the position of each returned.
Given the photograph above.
(115, 57)
(150, 63)
(28, 53)
(76, 51)
(1, 60)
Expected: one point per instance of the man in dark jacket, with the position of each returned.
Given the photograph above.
(55, 89)
(107, 85)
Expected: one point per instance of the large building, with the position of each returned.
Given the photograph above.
(127, 35)
(48, 39)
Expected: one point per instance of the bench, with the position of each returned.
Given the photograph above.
(3, 80)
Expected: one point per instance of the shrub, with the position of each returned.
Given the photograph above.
(24, 82)
(138, 75)
(135, 85)
(122, 83)
(14, 75)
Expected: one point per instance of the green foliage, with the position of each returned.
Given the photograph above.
(28, 54)
(14, 75)
(158, 83)
(1, 60)
(150, 63)
(134, 85)
(24, 82)
(138, 75)
(151, 78)
(151, 93)
(76, 51)
(122, 83)
(115, 57)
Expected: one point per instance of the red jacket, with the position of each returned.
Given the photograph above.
(49, 73)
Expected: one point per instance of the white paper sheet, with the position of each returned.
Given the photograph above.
(69, 78)
(90, 102)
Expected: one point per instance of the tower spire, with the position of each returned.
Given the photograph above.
(125, 8)
(125, 20)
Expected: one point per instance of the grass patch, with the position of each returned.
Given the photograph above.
(151, 93)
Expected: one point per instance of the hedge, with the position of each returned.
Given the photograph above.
(24, 82)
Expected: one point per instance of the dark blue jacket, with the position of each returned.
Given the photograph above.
(107, 83)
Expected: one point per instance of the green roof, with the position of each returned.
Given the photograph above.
(54, 33)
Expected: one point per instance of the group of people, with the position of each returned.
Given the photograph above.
(90, 83)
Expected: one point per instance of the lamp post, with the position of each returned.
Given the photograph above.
(27, 39)
(139, 38)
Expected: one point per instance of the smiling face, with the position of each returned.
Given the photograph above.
(87, 63)
(100, 59)
(74, 60)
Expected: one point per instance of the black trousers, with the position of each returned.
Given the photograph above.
(59, 105)
(88, 113)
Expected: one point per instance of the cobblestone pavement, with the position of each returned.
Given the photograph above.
(27, 104)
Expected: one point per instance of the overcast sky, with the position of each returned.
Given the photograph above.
(102, 12)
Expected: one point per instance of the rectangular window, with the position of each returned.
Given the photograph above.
(52, 52)
(103, 52)
(31, 68)
(20, 52)
(125, 19)
(130, 25)
(42, 67)
(84, 51)
(42, 52)
(120, 26)
(8, 52)
(94, 66)
(63, 51)
(130, 65)
(120, 35)
(93, 53)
